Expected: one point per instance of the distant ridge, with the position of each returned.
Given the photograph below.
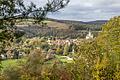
(97, 22)
(79, 22)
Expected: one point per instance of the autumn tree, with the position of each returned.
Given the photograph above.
(99, 59)
(109, 42)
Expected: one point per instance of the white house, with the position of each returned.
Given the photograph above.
(2, 56)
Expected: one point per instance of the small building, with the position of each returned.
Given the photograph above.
(89, 35)
(3, 56)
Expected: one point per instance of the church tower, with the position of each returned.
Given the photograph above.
(89, 35)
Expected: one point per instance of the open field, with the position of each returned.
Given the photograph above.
(12, 63)
(18, 62)
(53, 24)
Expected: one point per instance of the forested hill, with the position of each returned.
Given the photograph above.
(62, 28)
(80, 25)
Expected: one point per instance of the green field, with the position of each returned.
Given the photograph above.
(18, 62)
(12, 62)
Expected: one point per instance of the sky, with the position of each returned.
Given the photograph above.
(85, 10)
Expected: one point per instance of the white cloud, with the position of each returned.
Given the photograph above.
(86, 9)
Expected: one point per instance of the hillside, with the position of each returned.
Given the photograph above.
(61, 28)
(80, 25)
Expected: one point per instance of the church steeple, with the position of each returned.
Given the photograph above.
(89, 35)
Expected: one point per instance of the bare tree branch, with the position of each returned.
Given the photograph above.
(15, 9)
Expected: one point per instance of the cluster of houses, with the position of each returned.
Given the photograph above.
(68, 41)
(59, 42)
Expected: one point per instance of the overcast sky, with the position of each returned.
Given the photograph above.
(86, 10)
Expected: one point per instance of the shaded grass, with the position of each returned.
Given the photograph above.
(12, 63)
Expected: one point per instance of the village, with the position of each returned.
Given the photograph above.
(13, 53)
